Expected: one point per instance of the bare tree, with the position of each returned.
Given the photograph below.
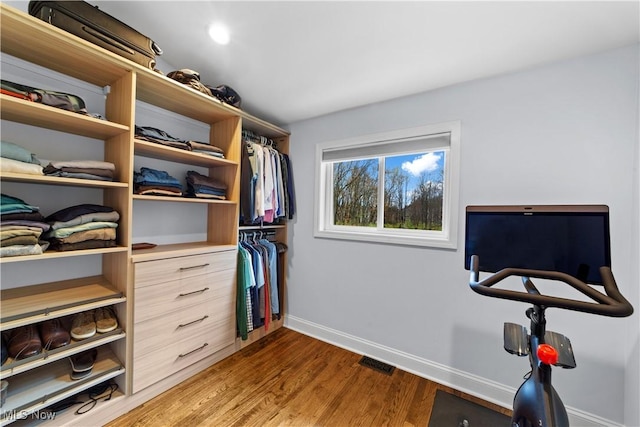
(355, 192)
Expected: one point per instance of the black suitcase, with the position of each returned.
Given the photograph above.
(90, 23)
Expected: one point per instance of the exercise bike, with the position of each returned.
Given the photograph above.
(567, 244)
(536, 403)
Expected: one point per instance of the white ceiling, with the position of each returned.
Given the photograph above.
(292, 60)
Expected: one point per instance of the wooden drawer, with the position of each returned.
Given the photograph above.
(180, 295)
(167, 331)
(148, 273)
(166, 345)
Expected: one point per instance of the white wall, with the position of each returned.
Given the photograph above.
(565, 133)
(632, 390)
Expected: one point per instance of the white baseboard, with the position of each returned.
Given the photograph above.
(474, 385)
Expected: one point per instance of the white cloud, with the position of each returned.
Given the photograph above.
(425, 163)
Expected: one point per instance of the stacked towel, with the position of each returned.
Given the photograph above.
(83, 169)
(155, 182)
(17, 159)
(202, 186)
(84, 226)
(21, 226)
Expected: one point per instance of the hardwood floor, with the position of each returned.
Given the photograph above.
(290, 379)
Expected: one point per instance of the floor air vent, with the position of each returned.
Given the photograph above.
(377, 365)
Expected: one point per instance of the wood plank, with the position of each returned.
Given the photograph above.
(290, 379)
(24, 305)
(171, 95)
(179, 199)
(56, 180)
(176, 250)
(172, 154)
(36, 114)
(63, 254)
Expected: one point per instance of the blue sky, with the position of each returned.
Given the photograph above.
(416, 164)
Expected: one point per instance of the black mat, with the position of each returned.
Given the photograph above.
(452, 411)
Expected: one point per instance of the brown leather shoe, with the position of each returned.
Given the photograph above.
(24, 342)
(53, 334)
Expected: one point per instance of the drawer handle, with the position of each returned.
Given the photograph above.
(194, 267)
(194, 292)
(193, 351)
(191, 323)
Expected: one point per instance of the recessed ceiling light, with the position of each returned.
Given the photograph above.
(219, 33)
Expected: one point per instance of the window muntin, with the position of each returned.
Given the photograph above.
(399, 187)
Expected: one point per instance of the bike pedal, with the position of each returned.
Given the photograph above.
(516, 339)
(562, 345)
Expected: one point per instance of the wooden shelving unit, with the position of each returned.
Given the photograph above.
(42, 380)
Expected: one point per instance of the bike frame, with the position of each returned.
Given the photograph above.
(536, 403)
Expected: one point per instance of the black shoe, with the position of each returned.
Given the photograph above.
(83, 362)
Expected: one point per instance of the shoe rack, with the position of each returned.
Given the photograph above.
(127, 91)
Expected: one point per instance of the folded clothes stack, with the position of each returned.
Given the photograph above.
(83, 169)
(21, 226)
(84, 226)
(155, 182)
(202, 186)
(17, 159)
(204, 148)
(159, 136)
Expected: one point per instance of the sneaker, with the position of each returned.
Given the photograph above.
(53, 334)
(106, 320)
(83, 325)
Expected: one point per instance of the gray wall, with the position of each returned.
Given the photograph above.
(564, 133)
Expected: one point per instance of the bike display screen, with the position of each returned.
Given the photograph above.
(570, 239)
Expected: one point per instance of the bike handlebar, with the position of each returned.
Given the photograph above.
(612, 304)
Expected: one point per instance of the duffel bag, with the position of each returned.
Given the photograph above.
(227, 95)
(66, 101)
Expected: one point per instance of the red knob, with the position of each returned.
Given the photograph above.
(547, 354)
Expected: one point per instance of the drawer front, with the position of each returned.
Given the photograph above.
(150, 273)
(166, 297)
(163, 347)
(202, 320)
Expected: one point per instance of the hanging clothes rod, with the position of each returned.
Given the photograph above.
(251, 136)
(259, 234)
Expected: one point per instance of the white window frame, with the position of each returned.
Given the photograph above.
(323, 218)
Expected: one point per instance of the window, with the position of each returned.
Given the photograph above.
(398, 187)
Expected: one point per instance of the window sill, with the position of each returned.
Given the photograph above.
(391, 239)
